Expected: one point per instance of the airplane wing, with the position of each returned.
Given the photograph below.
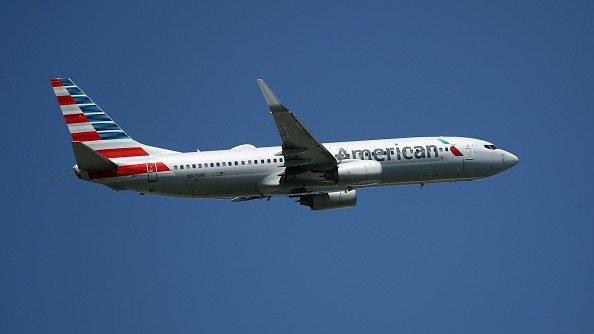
(301, 150)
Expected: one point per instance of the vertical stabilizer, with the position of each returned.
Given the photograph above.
(90, 125)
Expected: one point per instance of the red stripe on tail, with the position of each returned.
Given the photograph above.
(120, 171)
(127, 170)
(123, 152)
(65, 100)
(56, 82)
(75, 118)
(161, 167)
(86, 136)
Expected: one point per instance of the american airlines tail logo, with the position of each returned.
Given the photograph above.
(88, 123)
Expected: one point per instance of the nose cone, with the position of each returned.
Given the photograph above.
(510, 159)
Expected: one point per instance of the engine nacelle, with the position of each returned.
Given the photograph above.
(359, 172)
(328, 201)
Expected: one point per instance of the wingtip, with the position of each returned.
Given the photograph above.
(269, 96)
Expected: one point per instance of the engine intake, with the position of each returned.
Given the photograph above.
(328, 201)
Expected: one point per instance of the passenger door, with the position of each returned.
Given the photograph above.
(468, 152)
(151, 170)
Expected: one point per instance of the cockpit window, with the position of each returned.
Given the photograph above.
(491, 147)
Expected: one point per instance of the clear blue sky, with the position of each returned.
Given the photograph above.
(510, 254)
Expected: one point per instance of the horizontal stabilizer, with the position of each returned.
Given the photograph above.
(88, 159)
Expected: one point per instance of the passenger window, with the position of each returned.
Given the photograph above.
(274, 160)
(224, 164)
(181, 166)
(249, 162)
(268, 160)
(255, 162)
(281, 159)
(193, 165)
(211, 164)
(218, 164)
(243, 162)
(262, 161)
(235, 163)
(175, 167)
(199, 165)
(229, 163)
(447, 149)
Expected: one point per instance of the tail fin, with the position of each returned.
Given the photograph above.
(90, 126)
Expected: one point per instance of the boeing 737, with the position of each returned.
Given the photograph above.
(319, 175)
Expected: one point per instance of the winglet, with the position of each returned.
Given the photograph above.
(273, 102)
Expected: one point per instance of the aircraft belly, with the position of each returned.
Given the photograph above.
(234, 185)
(129, 182)
(209, 187)
(420, 172)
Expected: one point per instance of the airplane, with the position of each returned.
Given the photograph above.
(319, 175)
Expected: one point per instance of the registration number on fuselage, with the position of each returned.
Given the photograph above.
(195, 175)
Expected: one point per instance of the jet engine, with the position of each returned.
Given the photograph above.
(328, 201)
(358, 172)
